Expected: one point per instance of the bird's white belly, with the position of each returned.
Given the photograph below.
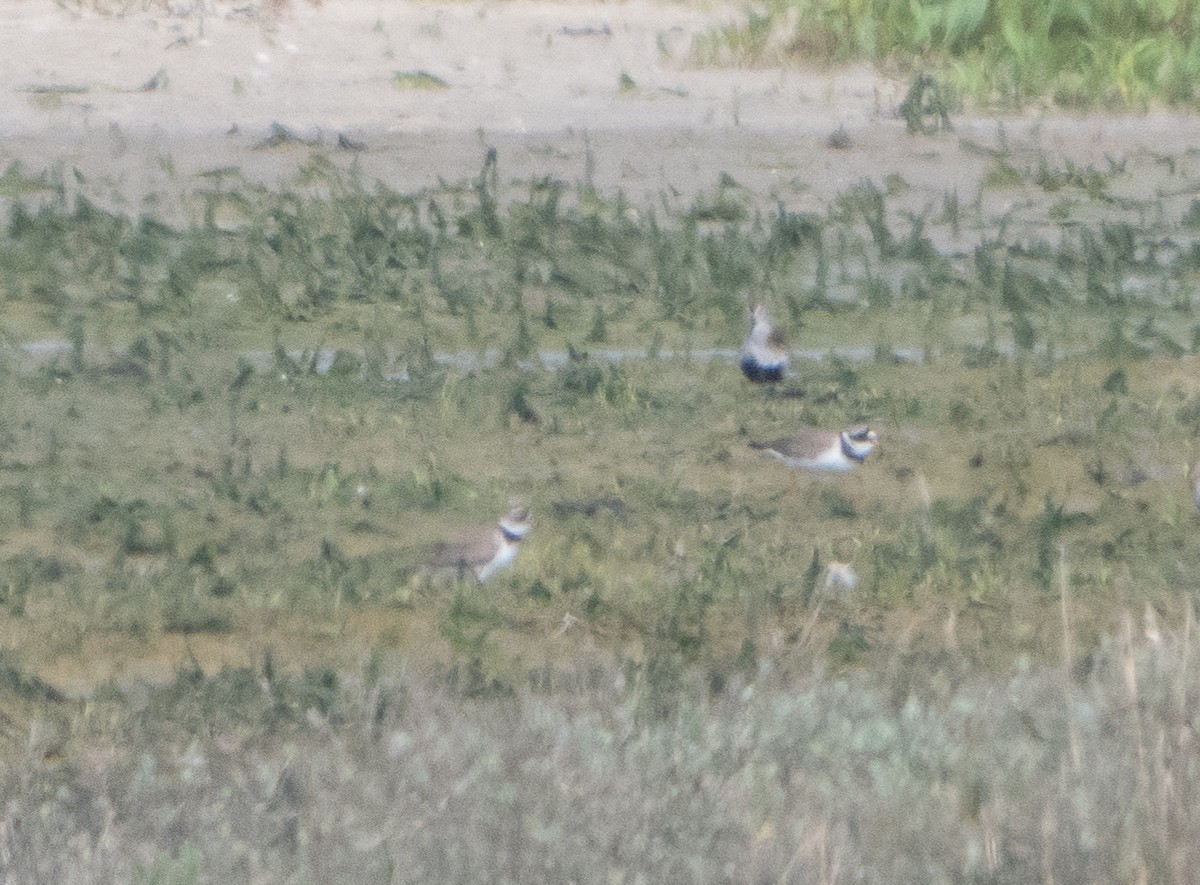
(503, 559)
(833, 459)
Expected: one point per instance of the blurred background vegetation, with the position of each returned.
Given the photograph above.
(1004, 53)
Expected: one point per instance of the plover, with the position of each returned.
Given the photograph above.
(825, 450)
(764, 352)
(486, 550)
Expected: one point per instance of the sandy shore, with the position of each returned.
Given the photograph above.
(580, 91)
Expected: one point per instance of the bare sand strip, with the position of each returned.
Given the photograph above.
(604, 93)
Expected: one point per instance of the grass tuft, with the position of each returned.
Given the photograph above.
(418, 80)
(1008, 53)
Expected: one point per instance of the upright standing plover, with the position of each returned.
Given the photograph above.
(764, 352)
(485, 550)
(822, 449)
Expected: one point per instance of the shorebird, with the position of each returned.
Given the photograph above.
(823, 450)
(487, 549)
(764, 352)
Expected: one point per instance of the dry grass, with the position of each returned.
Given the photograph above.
(604, 773)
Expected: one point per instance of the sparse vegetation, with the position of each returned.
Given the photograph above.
(228, 447)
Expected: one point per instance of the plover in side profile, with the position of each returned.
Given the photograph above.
(823, 450)
(764, 352)
(484, 551)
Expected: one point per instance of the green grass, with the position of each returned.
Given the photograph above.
(418, 80)
(1005, 52)
(163, 324)
(226, 480)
